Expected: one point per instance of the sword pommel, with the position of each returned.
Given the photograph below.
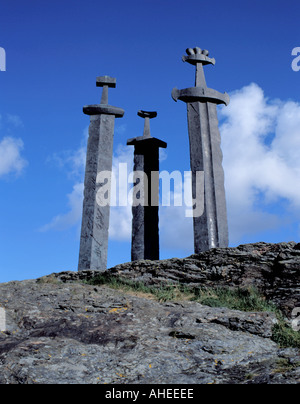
(106, 81)
(197, 55)
(199, 93)
(147, 114)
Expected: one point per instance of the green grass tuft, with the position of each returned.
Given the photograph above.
(235, 299)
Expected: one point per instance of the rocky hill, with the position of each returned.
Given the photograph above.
(153, 322)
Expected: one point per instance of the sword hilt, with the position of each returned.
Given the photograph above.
(103, 107)
(147, 141)
(105, 82)
(198, 57)
(147, 115)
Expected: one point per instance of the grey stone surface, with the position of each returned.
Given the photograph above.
(145, 219)
(61, 330)
(210, 229)
(95, 218)
(272, 269)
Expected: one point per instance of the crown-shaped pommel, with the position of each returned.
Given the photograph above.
(197, 55)
(198, 58)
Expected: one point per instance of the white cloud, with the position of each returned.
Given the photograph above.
(176, 230)
(14, 120)
(72, 161)
(120, 216)
(11, 161)
(261, 143)
(72, 217)
(11, 147)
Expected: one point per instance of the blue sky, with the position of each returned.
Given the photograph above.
(54, 52)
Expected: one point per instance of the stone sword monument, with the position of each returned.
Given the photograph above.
(145, 231)
(210, 229)
(95, 218)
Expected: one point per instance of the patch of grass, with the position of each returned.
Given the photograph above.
(284, 335)
(251, 300)
(161, 293)
(234, 299)
(49, 279)
(284, 365)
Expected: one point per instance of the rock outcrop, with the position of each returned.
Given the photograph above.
(272, 269)
(59, 329)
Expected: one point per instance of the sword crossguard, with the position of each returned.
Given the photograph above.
(147, 114)
(203, 94)
(198, 57)
(103, 107)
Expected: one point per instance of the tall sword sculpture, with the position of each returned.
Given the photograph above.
(95, 217)
(145, 231)
(210, 229)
